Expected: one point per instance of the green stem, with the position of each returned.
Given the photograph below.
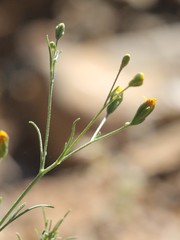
(94, 119)
(115, 80)
(125, 126)
(27, 189)
(86, 128)
(48, 121)
(50, 96)
(43, 151)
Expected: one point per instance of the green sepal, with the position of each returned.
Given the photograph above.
(3, 149)
(115, 100)
(143, 111)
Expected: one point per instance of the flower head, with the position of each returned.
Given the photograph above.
(151, 102)
(143, 111)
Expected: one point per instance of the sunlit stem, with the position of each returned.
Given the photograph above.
(99, 128)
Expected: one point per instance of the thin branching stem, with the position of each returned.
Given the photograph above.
(50, 97)
(23, 194)
(115, 80)
(125, 126)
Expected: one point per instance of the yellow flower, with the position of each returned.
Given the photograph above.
(151, 102)
(3, 136)
(4, 140)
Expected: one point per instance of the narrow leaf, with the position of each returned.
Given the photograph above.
(69, 142)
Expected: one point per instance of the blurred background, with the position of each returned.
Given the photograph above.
(127, 187)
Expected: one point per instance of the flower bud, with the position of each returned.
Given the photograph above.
(125, 61)
(143, 111)
(52, 46)
(137, 80)
(4, 140)
(116, 98)
(60, 29)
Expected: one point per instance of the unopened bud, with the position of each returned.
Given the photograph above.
(137, 80)
(4, 140)
(60, 29)
(52, 45)
(116, 98)
(125, 61)
(143, 111)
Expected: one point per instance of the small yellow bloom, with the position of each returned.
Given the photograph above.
(4, 141)
(151, 102)
(118, 90)
(3, 136)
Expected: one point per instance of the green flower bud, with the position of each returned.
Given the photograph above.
(52, 45)
(125, 61)
(60, 29)
(116, 98)
(4, 140)
(143, 111)
(137, 80)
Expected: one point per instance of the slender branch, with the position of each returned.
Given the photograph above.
(48, 120)
(116, 78)
(53, 56)
(125, 126)
(50, 96)
(87, 128)
(22, 213)
(15, 204)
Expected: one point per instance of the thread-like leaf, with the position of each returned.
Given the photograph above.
(70, 140)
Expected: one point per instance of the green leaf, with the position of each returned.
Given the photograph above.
(18, 212)
(70, 140)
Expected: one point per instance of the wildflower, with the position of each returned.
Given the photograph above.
(143, 111)
(137, 80)
(4, 140)
(116, 98)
